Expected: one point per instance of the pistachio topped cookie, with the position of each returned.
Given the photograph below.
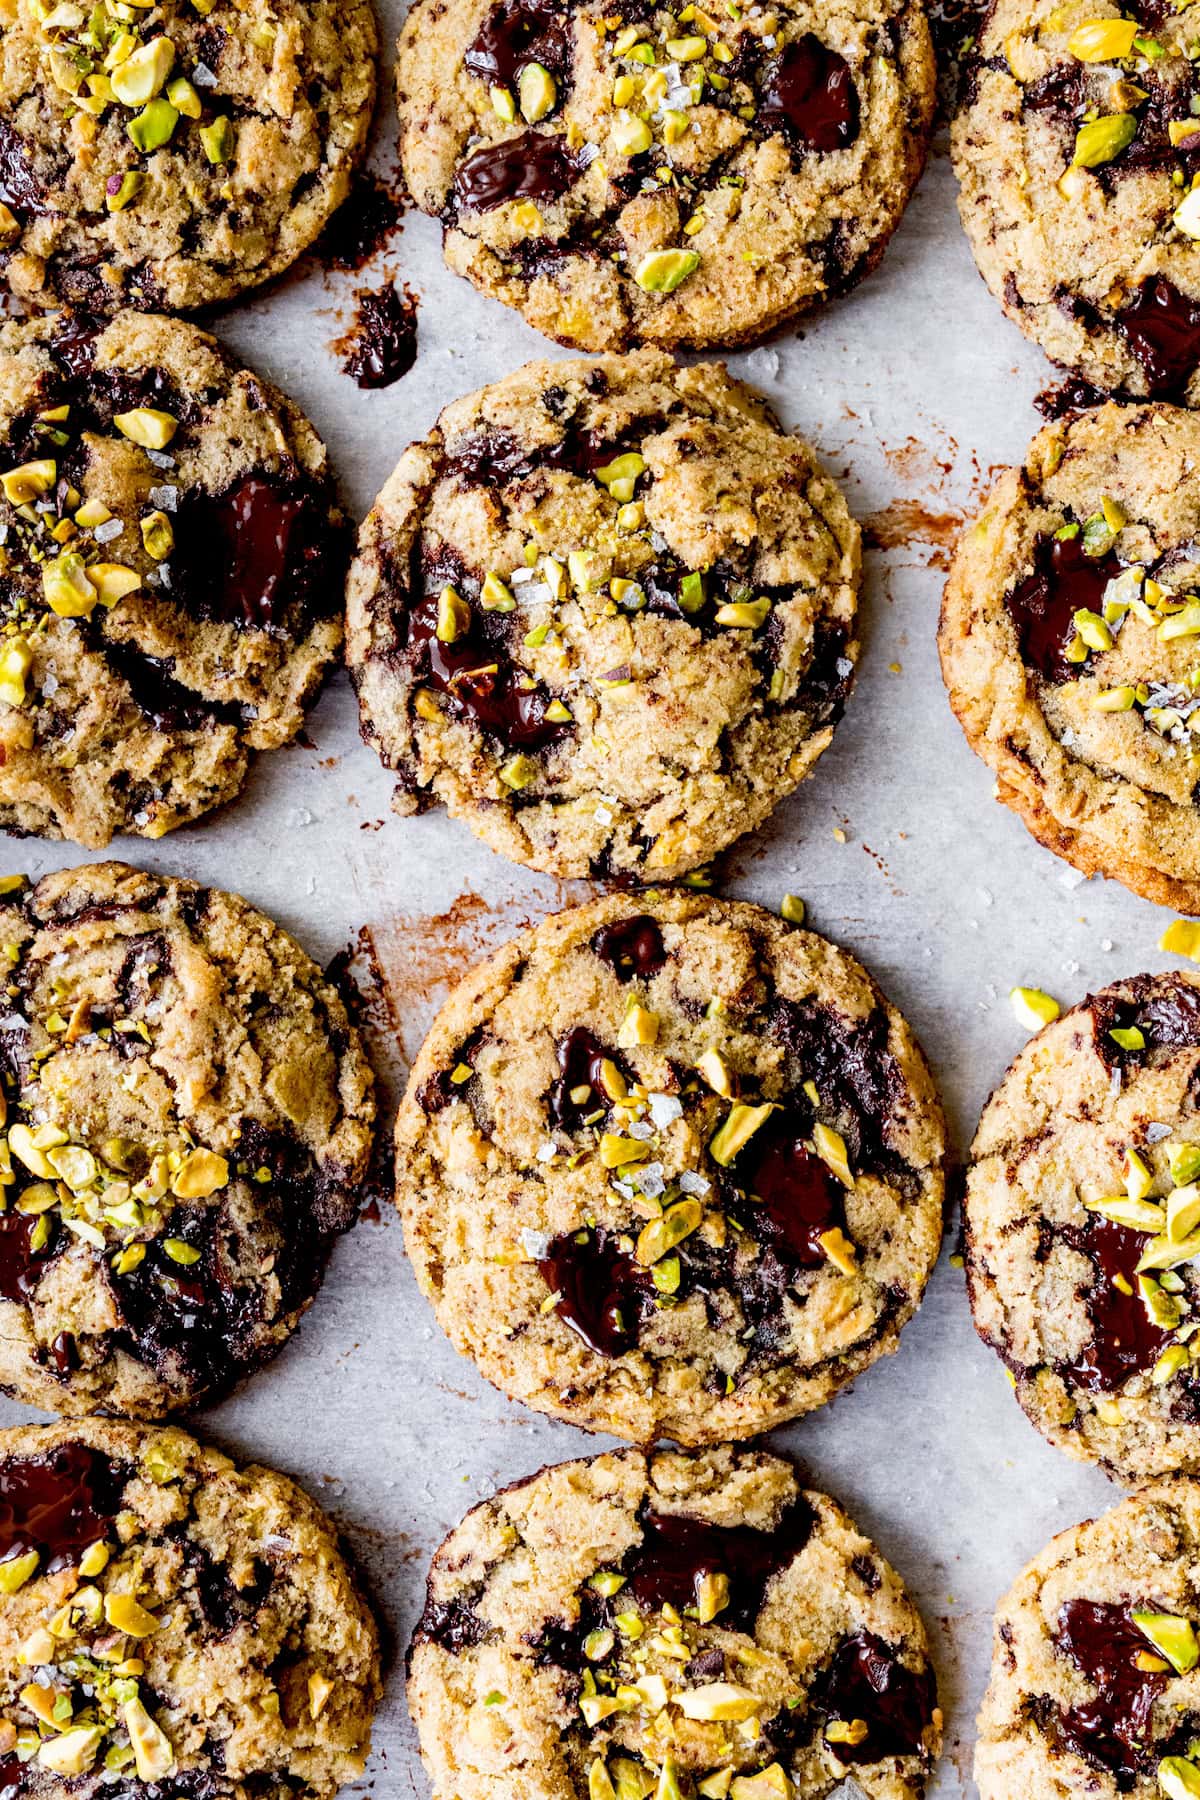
(1095, 1686)
(606, 613)
(1082, 1219)
(673, 177)
(670, 1167)
(1070, 644)
(172, 566)
(187, 1117)
(670, 1625)
(172, 1624)
(170, 154)
(1076, 147)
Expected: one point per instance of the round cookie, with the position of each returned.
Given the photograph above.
(1082, 1217)
(172, 570)
(670, 1167)
(1075, 148)
(172, 1624)
(1068, 641)
(606, 613)
(680, 178)
(1094, 1690)
(189, 1117)
(171, 158)
(631, 1625)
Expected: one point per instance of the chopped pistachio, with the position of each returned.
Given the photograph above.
(663, 1234)
(630, 135)
(28, 480)
(67, 588)
(1093, 630)
(15, 1571)
(830, 1146)
(616, 1152)
(1178, 1778)
(319, 1690)
(116, 199)
(1182, 938)
(152, 127)
(124, 1613)
(745, 615)
(153, 1753)
(1102, 40)
(736, 1130)
(1183, 1160)
(1186, 217)
(1128, 1037)
(181, 1252)
(598, 1644)
(1138, 1215)
(495, 595)
(600, 1785)
(669, 1787)
(606, 1583)
(662, 271)
(503, 104)
(840, 1251)
(453, 616)
(536, 92)
(771, 1783)
(717, 1073)
(73, 1753)
(1173, 1359)
(200, 1174)
(1183, 1212)
(158, 535)
(723, 1700)
(716, 1785)
(1163, 1253)
(143, 72)
(147, 426)
(792, 909)
(1033, 1007)
(112, 581)
(95, 1559)
(1100, 140)
(1172, 1637)
(1139, 1181)
(218, 140)
(518, 771)
(639, 1026)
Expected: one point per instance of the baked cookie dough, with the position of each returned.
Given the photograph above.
(1069, 641)
(1076, 147)
(606, 613)
(683, 178)
(171, 158)
(634, 1626)
(670, 1167)
(187, 1118)
(1095, 1689)
(1082, 1220)
(172, 567)
(172, 1624)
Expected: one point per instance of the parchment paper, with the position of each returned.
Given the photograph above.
(913, 388)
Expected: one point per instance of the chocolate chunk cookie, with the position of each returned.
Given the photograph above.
(605, 612)
(1069, 638)
(633, 1626)
(170, 584)
(1082, 1223)
(173, 157)
(673, 177)
(172, 1624)
(1095, 1687)
(187, 1116)
(670, 1167)
(1076, 147)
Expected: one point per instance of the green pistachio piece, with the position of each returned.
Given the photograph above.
(218, 140)
(152, 127)
(1172, 1637)
(128, 187)
(1183, 1160)
(1101, 140)
(691, 591)
(1178, 1778)
(662, 271)
(537, 93)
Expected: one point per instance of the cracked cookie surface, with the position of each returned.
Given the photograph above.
(643, 176)
(1094, 1687)
(172, 565)
(1068, 641)
(606, 613)
(1082, 1218)
(668, 1166)
(172, 1623)
(189, 1117)
(170, 157)
(632, 1625)
(1075, 147)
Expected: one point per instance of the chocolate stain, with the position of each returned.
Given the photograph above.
(365, 221)
(907, 524)
(381, 345)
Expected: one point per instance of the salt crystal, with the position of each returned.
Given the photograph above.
(165, 497)
(535, 1243)
(692, 1183)
(160, 459)
(642, 1131)
(664, 1109)
(202, 76)
(111, 528)
(547, 1151)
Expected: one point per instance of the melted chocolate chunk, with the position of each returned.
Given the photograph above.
(1070, 397)
(1125, 1339)
(1164, 1008)
(1162, 328)
(631, 947)
(361, 225)
(676, 1551)
(514, 34)
(795, 1197)
(382, 344)
(21, 1266)
(454, 1625)
(1104, 1643)
(477, 677)
(533, 165)
(222, 1606)
(580, 1056)
(866, 1681)
(854, 1069)
(602, 1290)
(19, 186)
(809, 94)
(1043, 606)
(165, 702)
(64, 1353)
(57, 1504)
(261, 555)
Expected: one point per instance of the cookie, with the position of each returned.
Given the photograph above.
(1075, 147)
(189, 1116)
(171, 158)
(1095, 1689)
(606, 613)
(172, 1624)
(1082, 1217)
(629, 1626)
(1068, 640)
(680, 178)
(670, 1167)
(172, 566)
